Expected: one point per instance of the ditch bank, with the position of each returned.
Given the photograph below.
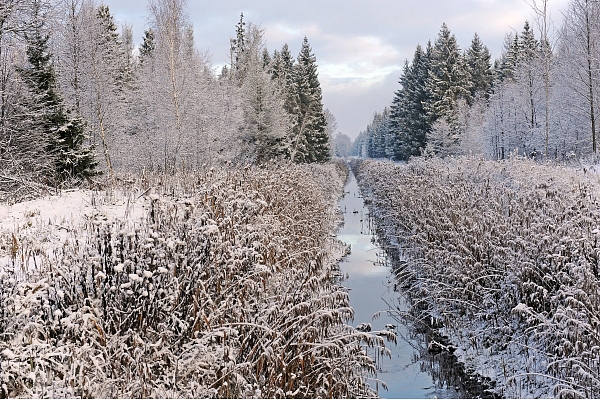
(411, 369)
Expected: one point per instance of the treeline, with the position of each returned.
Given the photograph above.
(539, 99)
(76, 99)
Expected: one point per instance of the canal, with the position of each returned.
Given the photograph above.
(371, 286)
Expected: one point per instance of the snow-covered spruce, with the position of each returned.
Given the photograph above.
(223, 287)
(504, 255)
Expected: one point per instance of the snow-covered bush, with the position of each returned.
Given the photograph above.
(503, 255)
(225, 288)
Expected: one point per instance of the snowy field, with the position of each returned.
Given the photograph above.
(218, 283)
(503, 256)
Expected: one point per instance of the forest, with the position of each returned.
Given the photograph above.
(538, 99)
(77, 100)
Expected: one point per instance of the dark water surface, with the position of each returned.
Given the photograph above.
(371, 285)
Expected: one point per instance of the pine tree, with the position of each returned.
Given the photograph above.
(449, 79)
(148, 45)
(478, 61)
(310, 140)
(409, 122)
(65, 133)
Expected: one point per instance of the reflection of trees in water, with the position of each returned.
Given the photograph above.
(447, 372)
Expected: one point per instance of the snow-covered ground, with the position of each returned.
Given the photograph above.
(217, 283)
(504, 256)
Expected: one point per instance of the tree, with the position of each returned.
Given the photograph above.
(449, 79)
(579, 57)
(266, 122)
(507, 64)
(282, 72)
(309, 142)
(165, 108)
(96, 74)
(64, 133)
(409, 123)
(478, 62)
(342, 145)
(330, 128)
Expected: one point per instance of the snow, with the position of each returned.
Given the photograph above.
(184, 279)
(504, 255)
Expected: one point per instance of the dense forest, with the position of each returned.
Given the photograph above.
(538, 99)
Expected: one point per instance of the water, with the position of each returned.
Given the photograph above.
(371, 285)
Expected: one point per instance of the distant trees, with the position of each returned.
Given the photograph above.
(540, 98)
(430, 113)
(342, 145)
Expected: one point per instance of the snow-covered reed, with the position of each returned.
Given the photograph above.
(224, 287)
(504, 256)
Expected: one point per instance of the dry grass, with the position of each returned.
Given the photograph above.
(503, 255)
(225, 288)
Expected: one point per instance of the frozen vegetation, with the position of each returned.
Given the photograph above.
(503, 258)
(221, 283)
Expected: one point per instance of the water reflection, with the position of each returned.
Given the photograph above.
(412, 371)
(371, 285)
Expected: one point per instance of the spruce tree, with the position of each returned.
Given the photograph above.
(507, 64)
(65, 133)
(478, 62)
(148, 45)
(449, 78)
(282, 72)
(310, 140)
(408, 118)
(528, 45)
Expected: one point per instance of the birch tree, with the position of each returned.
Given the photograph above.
(578, 55)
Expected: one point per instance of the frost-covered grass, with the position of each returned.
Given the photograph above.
(504, 256)
(220, 283)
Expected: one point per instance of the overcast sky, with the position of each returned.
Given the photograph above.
(360, 46)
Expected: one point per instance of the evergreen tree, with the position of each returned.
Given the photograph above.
(310, 140)
(238, 52)
(378, 133)
(409, 123)
(282, 72)
(148, 45)
(449, 78)
(65, 134)
(478, 61)
(265, 120)
(343, 145)
(528, 45)
(507, 64)
(360, 145)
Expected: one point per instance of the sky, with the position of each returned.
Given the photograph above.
(360, 45)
